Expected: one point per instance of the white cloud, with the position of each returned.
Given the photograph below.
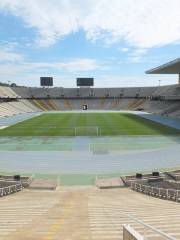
(137, 55)
(80, 65)
(7, 54)
(124, 50)
(72, 66)
(141, 23)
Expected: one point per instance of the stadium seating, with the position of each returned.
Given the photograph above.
(160, 100)
(85, 213)
(16, 107)
(7, 92)
(12, 104)
(83, 92)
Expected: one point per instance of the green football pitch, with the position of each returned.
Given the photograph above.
(87, 124)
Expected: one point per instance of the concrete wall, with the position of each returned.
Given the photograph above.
(130, 234)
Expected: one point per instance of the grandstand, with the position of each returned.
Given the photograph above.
(162, 100)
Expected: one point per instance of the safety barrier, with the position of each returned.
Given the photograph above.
(10, 189)
(130, 234)
(168, 194)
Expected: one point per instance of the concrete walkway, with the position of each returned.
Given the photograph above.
(77, 213)
(175, 123)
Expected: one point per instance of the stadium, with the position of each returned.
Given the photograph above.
(110, 138)
(89, 120)
(99, 123)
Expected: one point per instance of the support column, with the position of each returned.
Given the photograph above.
(179, 79)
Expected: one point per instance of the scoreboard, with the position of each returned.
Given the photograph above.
(85, 82)
(46, 81)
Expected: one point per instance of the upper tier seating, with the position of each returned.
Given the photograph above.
(26, 92)
(7, 92)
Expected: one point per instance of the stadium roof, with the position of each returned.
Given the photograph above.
(172, 67)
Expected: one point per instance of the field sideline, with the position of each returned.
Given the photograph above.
(87, 124)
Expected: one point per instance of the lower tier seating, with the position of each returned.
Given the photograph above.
(167, 108)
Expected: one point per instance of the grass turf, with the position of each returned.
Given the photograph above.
(83, 124)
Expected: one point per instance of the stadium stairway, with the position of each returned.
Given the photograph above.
(74, 213)
(38, 105)
(67, 105)
(133, 104)
(139, 103)
(52, 104)
(45, 104)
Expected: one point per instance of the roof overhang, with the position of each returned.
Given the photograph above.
(172, 67)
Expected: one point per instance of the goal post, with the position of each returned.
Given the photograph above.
(87, 131)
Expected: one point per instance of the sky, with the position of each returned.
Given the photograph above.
(113, 41)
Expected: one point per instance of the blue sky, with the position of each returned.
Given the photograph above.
(114, 43)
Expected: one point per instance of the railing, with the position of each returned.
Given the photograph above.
(10, 189)
(169, 194)
(153, 229)
(27, 182)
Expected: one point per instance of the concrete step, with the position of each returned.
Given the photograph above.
(84, 213)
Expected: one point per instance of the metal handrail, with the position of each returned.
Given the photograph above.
(10, 188)
(176, 192)
(165, 235)
(30, 178)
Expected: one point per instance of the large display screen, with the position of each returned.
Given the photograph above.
(46, 81)
(85, 82)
